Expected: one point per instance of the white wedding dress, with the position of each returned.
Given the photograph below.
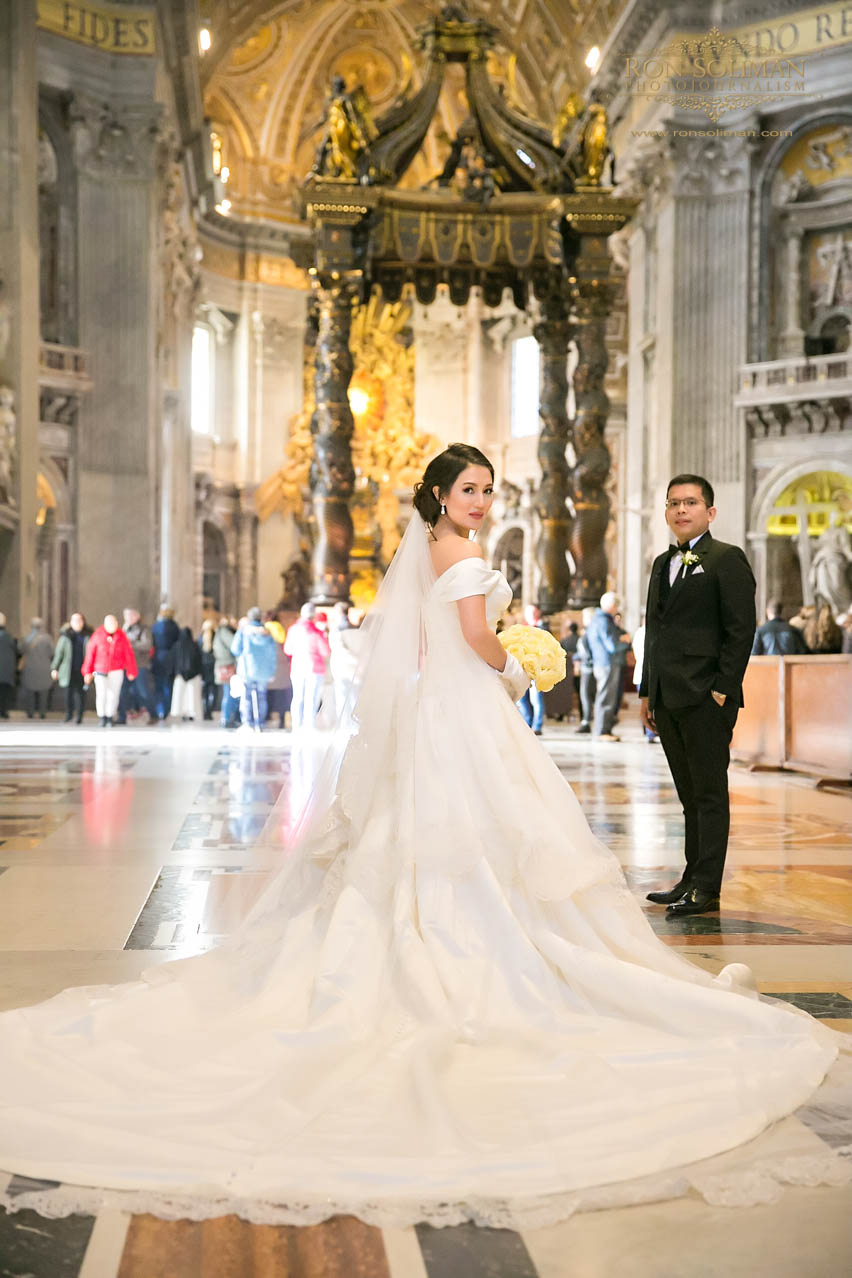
(447, 1005)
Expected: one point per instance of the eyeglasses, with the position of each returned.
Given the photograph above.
(689, 502)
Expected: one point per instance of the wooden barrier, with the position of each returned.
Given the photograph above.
(797, 715)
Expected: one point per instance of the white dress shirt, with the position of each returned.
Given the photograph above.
(676, 561)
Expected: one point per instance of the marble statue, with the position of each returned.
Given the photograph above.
(830, 574)
(8, 445)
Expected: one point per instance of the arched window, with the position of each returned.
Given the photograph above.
(835, 335)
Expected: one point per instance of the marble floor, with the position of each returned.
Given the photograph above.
(126, 848)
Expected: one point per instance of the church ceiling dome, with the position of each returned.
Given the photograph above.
(265, 78)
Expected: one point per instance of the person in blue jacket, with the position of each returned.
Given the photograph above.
(608, 645)
(257, 659)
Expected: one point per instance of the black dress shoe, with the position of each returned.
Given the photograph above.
(694, 901)
(667, 898)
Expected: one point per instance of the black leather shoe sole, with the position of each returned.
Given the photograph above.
(667, 898)
(682, 908)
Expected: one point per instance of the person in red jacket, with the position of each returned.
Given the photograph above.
(109, 657)
(308, 649)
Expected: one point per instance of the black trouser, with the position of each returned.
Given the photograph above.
(7, 699)
(588, 690)
(75, 698)
(696, 740)
(208, 697)
(36, 700)
(609, 684)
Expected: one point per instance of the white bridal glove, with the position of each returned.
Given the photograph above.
(514, 678)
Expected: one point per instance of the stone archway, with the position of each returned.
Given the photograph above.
(775, 573)
(830, 333)
(779, 216)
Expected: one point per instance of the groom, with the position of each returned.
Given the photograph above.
(700, 627)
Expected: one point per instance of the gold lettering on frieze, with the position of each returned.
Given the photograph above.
(111, 28)
(591, 217)
(336, 208)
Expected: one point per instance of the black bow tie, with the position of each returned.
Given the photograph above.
(678, 549)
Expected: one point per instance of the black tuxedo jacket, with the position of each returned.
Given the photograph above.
(699, 633)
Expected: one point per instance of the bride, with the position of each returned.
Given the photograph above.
(446, 1006)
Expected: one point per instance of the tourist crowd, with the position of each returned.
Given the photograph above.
(605, 660)
(252, 672)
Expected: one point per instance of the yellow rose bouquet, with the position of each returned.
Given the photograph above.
(541, 656)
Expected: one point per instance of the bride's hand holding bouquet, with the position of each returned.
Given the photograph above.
(532, 655)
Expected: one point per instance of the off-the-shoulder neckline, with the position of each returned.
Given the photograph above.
(467, 559)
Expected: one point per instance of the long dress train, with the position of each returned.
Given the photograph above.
(447, 1005)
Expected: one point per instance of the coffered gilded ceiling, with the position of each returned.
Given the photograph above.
(266, 76)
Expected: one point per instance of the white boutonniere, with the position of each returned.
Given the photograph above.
(689, 558)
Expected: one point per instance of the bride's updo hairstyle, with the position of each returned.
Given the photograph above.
(442, 472)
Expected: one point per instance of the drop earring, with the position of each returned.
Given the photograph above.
(443, 509)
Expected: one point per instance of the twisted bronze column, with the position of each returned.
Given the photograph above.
(332, 475)
(592, 302)
(553, 333)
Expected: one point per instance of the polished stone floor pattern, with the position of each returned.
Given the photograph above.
(126, 848)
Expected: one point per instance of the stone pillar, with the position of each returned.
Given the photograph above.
(247, 551)
(332, 473)
(255, 407)
(123, 457)
(707, 315)
(169, 537)
(640, 365)
(645, 176)
(202, 513)
(476, 432)
(19, 318)
(553, 333)
(792, 339)
(593, 299)
(806, 551)
(282, 394)
(757, 546)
